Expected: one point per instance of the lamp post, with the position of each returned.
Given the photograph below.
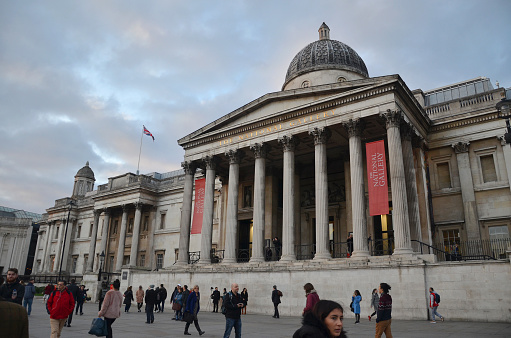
(504, 112)
(70, 206)
(101, 261)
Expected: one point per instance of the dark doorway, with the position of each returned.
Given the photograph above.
(245, 240)
(383, 241)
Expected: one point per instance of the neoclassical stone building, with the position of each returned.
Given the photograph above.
(294, 165)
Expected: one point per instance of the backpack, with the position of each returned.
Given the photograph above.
(280, 293)
(224, 299)
(437, 298)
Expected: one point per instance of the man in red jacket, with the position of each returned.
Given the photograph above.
(60, 305)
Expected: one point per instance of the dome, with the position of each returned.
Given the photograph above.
(86, 172)
(325, 54)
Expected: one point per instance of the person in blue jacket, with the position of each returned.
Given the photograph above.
(191, 311)
(356, 299)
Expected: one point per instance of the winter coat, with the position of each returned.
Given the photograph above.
(215, 296)
(80, 295)
(384, 308)
(6, 292)
(73, 288)
(312, 299)
(244, 295)
(60, 304)
(111, 307)
(375, 300)
(29, 291)
(275, 298)
(150, 299)
(313, 328)
(356, 304)
(163, 294)
(230, 303)
(190, 303)
(140, 296)
(128, 297)
(432, 300)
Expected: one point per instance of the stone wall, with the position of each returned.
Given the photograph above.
(475, 291)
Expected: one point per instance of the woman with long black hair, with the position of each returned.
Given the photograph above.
(324, 321)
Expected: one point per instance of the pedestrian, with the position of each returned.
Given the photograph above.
(356, 299)
(157, 304)
(184, 299)
(178, 303)
(324, 321)
(12, 290)
(349, 243)
(275, 298)
(28, 297)
(312, 298)
(13, 318)
(375, 300)
(150, 300)
(163, 297)
(384, 313)
(128, 298)
(215, 296)
(140, 298)
(278, 247)
(47, 291)
(192, 310)
(222, 308)
(80, 298)
(244, 295)
(60, 305)
(434, 300)
(111, 308)
(102, 293)
(233, 303)
(73, 289)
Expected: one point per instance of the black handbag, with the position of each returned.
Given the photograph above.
(188, 317)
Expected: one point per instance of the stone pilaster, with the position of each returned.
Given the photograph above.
(234, 156)
(47, 242)
(122, 239)
(506, 148)
(68, 226)
(467, 191)
(349, 207)
(411, 182)
(60, 241)
(136, 234)
(104, 235)
(186, 213)
(400, 220)
(207, 220)
(358, 214)
(321, 136)
(288, 143)
(260, 152)
(149, 257)
(93, 238)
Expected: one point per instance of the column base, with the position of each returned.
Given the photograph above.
(322, 256)
(360, 254)
(403, 251)
(229, 260)
(288, 258)
(204, 261)
(181, 263)
(256, 259)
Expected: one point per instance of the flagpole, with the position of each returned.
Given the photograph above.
(140, 151)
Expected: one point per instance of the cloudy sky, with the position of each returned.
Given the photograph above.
(78, 79)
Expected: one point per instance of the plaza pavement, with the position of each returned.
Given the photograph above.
(132, 325)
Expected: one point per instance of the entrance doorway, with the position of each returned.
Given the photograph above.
(383, 242)
(245, 240)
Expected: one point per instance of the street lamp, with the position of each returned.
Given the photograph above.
(101, 261)
(504, 112)
(70, 206)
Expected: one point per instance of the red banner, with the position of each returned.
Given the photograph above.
(377, 178)
(198, 209)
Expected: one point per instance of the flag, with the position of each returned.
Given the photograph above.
(147, 132)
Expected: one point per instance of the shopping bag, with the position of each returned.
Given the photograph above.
(188, 317)
(98, 327)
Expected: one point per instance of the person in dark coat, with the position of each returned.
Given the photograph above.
(150, 300)
(244, 295)
(216, 298)
(80, 298)
(128, 298)
(233, 303)
(12, 291)
(184, 297)
(28, 298)
(73, 289)
(163, 297)
(192, 308)
(324, 321)
(13, 319)
(275, 298)
(278, 247)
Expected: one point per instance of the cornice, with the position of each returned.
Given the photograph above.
(465, 122)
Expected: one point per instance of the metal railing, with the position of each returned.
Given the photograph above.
(381, 247)
(305, 252)
(193, 257)
(243, 255)
(486, 249)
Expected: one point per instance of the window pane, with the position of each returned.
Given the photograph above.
(444, 176)
(488, 168)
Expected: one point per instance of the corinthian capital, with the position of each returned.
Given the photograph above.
(288, 142)
(321, 135)
(260, 149)
(392, 118)
(210, 162)
(234, 155)
(354, 127)
(461, 147)
(407, 131)
(189, 167)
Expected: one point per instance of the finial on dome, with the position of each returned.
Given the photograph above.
(324, 32)
(87, 164)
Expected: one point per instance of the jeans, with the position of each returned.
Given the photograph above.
(161, 306)
(109, 322)
(433, 313)
(215, 306)
(229, 324)
(127, 307)
(28, 301)
(139, 306)
(150, 315)
(79, 306)
(276, 312)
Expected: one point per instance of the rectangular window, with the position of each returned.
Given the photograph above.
(162, 221)
(56, 233)
(52, 259)
(145, 226)
(247, 197)
(499, 239)
(452, 241)
(130, 225)
(79, 231)
(159, 261)
(444, 175)
(85, 261)
(142, 260)
(74, 264)
(90, 229)
(111, 264)
(126, 260)
(114, 228)
(488, 168)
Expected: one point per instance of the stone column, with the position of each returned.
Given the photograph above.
(35, 267)
(400, 220)
(136, 234)
(104, 236)
(411, 183)
(93, 238)
(149, 257)
(358, 213)
(44, 260)
(260, 152)
(506, 148)
(288, 214)
(60, 240)
(186, 213)
(232, 205)
(467, 191)
(122, 239)
(207, 219)
(67, 246)
(321, 136)
(349, 207)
